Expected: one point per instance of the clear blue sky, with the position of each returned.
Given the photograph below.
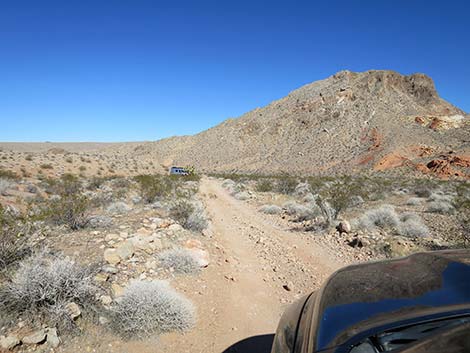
(115, 70)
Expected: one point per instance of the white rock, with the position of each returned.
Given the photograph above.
(111, 256)
(35, 337)
(53, 339)
(73, 310)
(201, 256)
(125, 250)
(175, 227)
(9, 342)
(106, 299)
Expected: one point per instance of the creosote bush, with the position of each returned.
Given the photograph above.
(180, 260)
(149, 308)
(264, 185)
(42, 287)
(71, 210)
(155, 186)
(286, 185)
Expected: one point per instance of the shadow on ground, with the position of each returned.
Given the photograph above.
(255, 344)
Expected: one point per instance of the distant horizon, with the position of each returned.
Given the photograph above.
(85, 71)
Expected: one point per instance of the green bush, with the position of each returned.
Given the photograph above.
(264, 185)
(286, 185)
(155, 186)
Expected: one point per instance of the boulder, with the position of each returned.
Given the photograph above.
(35, 337)
(344, 227)
(201, 256)
(125, 250)
(9, 342)
(53, 339)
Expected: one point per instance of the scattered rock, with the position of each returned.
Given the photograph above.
(201, 256)
(117, 290)
(73, 310)
(125, 250)
(344, 227)
(111, 256)
(35, 337)
(175, 227)
(288, 286)
(53, 339)
(109, 269)
(106, 299)
(9, 342)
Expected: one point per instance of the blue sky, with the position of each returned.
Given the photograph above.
(115, 70)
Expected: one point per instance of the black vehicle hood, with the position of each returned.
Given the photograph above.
(358, 297)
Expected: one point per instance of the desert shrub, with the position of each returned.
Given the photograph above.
(440, 197)
(414, 201)
(8, 174)
(382, 217)
(423, 191)
(286, 185)
(46, 166)
(442, 207)
(309, 197)
(301, 212)
(356, 200)
(197, 220)
(99, 221)
(242, 195)
(302, 189)
(148, 308)
(154, 186)
(411, 225)
(4, 186)
(264, 185)
(82, 168)
(118, 207)
(67, 184)
(14, 242)
(227, 183)
(180, 260)
(181, 210)
(72, 210)
(270, 209)
(42, 287)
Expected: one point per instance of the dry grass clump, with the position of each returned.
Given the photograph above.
(411, 225)
(118, 207)
(382, 217)
(242, 195)
(301, 212)
(148, 308)
(385, 217)
(190, 215)
(179, 260)
(442, 207)
(270, 209)
(42, 287)
(302, 189)
(414, 201)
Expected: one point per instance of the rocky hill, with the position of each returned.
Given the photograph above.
(346, 123)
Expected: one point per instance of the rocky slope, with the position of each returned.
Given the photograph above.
(345, 123)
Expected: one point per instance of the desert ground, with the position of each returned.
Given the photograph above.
(226, 253)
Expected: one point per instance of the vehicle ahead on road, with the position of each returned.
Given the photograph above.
(419, 303)
(179, 171)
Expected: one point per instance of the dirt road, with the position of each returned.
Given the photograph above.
(257, 270)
